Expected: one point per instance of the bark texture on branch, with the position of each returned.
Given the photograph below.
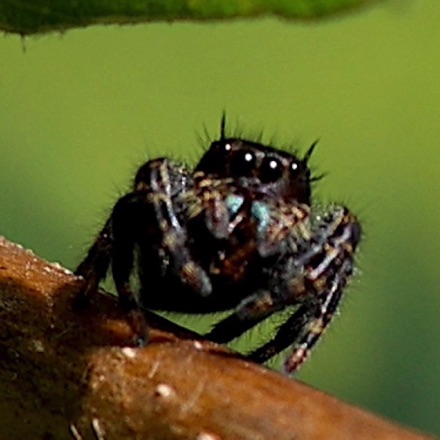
(66, 374)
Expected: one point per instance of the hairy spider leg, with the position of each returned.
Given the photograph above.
(328, 267)
(276, 225)
(128, 217)
(151, 203)
(104, 251)
(314, 279)
(95, 265)
(303, 329)
(174, 235)
(314, 329)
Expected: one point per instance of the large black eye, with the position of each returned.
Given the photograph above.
(243, 163)
(271, 170)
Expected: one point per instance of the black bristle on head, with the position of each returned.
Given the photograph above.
(223, 126)
(309, 152)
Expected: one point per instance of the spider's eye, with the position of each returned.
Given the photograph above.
(215, 159)
(295, 169)
(243, 163)
(271, 170)
(226, 148)
(220, 151)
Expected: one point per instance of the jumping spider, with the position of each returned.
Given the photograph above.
(236, 233)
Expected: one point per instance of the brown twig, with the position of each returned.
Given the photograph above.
(67, 374)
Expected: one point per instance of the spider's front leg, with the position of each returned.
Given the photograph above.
(281, 228)
(168, 187)
(147, 218)
(315, 279)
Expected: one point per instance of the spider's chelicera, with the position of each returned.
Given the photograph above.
(237, 233)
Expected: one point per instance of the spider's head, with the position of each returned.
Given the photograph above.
(262, 168)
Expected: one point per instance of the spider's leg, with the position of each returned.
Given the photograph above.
(174, 242)
(132, 221)
(289, 331)
(129, 217)
(147, 217)
(115, 246)
(232, 327)
(328, 266)
(302, 330)
(275, 226)
(95, 265)
(250, 312)
(314, 329)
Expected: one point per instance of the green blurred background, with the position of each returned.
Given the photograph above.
(79, 112)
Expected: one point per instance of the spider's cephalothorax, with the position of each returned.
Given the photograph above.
(236, 233)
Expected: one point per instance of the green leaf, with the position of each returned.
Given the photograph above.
(40, 16)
